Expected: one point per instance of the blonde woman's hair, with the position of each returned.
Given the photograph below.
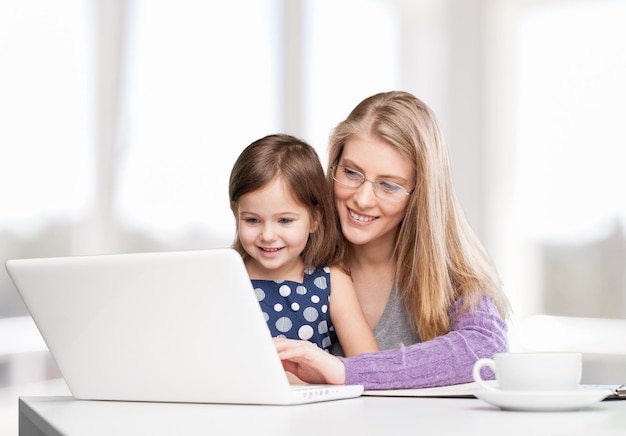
(439, 259)
(297, 165)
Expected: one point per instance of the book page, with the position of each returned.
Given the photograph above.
(463, 390)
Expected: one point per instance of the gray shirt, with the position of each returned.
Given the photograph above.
(393, 328)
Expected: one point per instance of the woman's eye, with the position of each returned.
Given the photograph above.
(352, 174)
(389, 186)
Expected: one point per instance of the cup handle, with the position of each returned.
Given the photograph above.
(480, 363)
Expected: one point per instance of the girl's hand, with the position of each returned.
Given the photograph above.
(309, 362)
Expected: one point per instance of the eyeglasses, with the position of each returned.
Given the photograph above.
(383, 189)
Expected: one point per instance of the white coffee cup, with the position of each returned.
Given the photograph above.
(540, 371)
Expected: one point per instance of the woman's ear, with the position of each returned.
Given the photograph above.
(316, 219)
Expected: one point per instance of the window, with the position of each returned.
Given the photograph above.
(129, 148)
(202, 84)
(46, 139)
(570, 154)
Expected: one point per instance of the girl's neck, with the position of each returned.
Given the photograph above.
(293, 272)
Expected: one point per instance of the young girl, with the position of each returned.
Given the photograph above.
(287, 236)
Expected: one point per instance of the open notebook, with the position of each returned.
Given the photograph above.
(172, 326)
(467, 390)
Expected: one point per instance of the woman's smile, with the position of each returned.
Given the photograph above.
(359, 217)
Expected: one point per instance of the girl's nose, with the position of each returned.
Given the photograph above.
(268, 233)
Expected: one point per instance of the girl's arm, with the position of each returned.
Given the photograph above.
(354, 333)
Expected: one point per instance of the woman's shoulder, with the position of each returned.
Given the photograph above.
(481, 310)
(480, 302)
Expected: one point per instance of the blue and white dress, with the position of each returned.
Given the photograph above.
(296, 310)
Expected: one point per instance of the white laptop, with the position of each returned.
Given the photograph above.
(172, 326)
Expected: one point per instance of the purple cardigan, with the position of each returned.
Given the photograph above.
(445, 360)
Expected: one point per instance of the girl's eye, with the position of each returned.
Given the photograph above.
(251, 221)
(285, 220)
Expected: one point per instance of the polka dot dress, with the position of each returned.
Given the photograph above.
(298, 310)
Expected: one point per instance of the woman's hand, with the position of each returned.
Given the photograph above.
(309, 362)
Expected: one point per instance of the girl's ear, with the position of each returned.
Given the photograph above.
(316, 219)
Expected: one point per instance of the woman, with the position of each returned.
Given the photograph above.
(424, 281)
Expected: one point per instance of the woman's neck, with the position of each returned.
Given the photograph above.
(372, 259)
(373, 271)
(372, 254)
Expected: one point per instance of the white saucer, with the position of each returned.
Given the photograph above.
(542, 400)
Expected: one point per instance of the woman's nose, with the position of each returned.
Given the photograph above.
(365, 195)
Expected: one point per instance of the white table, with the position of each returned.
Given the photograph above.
(360, 416)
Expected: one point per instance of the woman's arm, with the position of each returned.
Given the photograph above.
(354, 333)
(445, 360)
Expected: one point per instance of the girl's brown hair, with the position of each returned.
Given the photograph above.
(438, 257)
(298, 166)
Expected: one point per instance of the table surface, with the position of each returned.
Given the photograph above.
(359, 416)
